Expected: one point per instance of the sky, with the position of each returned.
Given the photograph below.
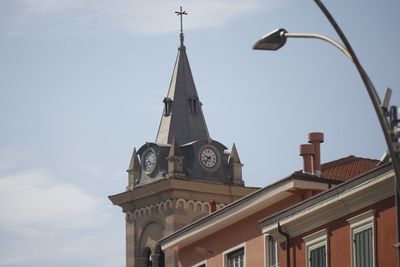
(82, 83)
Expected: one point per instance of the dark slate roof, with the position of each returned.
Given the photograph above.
(346, 168)
(186, 121)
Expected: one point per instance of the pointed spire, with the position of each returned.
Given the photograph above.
(175, 161)
(235, 167)
(134, 164)
(234, 158)
(133, 170)
(183, 115)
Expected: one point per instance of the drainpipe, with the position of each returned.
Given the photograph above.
(286, 235)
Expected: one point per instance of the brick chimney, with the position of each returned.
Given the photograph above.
(307, 152)
(316, 139)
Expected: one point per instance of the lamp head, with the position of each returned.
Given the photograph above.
(271, 41)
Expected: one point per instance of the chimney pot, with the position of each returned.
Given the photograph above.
(316, 138)
(307, 151)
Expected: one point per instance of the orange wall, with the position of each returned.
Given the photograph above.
(386, 234)
(339, 243)
(247, 231)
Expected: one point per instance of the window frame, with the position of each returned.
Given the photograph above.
(233, 249)
(200, 264)
(314, 241)
(358, 224)
(267, 250)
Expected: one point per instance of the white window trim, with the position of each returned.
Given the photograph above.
(200, 264)
(359, 223)
(266, 250)
(316, 240)
(226, 252)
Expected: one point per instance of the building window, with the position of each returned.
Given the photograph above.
(149, 262)
(317, 256)
(362, 239)
(362, 248)
(193, 104)
(271, 252)
(234, 257)
(316, 249)
(160, 256)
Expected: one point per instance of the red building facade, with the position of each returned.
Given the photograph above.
(353, 224)
(344, 217)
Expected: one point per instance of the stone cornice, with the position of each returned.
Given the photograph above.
(163, 206)
(178, 188)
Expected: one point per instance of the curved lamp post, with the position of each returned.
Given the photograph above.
(388, 118)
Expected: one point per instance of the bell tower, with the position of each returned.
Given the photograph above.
(173, 180)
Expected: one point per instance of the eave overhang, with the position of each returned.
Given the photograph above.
(332, 204)
(243, 208)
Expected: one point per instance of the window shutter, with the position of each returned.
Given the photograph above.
(363, 248)
(317, 257)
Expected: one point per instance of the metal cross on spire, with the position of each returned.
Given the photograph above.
(181, 13)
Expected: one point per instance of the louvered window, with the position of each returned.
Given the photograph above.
(318, 257)
(363, 248)
(362, 235)
(194, 104)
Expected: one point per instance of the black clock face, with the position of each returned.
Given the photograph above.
(149, 161)
(209, 157)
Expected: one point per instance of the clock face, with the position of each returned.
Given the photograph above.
(208, 158)
(149, 161)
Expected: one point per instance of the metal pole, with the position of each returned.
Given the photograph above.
(382, 120)
(320, 37)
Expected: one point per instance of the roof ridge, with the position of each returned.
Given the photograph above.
(337, 162)
(344, 160)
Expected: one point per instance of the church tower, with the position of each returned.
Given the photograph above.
(181, 177)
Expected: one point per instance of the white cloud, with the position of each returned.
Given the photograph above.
(47, 223)
(42, 7)
(145, 16)
(10, 158)
(33, 201)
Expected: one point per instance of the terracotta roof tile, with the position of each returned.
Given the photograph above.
(346, 168)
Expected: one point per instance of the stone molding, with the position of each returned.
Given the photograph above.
(163, 206)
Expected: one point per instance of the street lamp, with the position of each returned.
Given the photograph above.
(388, 118)
(276, 39)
